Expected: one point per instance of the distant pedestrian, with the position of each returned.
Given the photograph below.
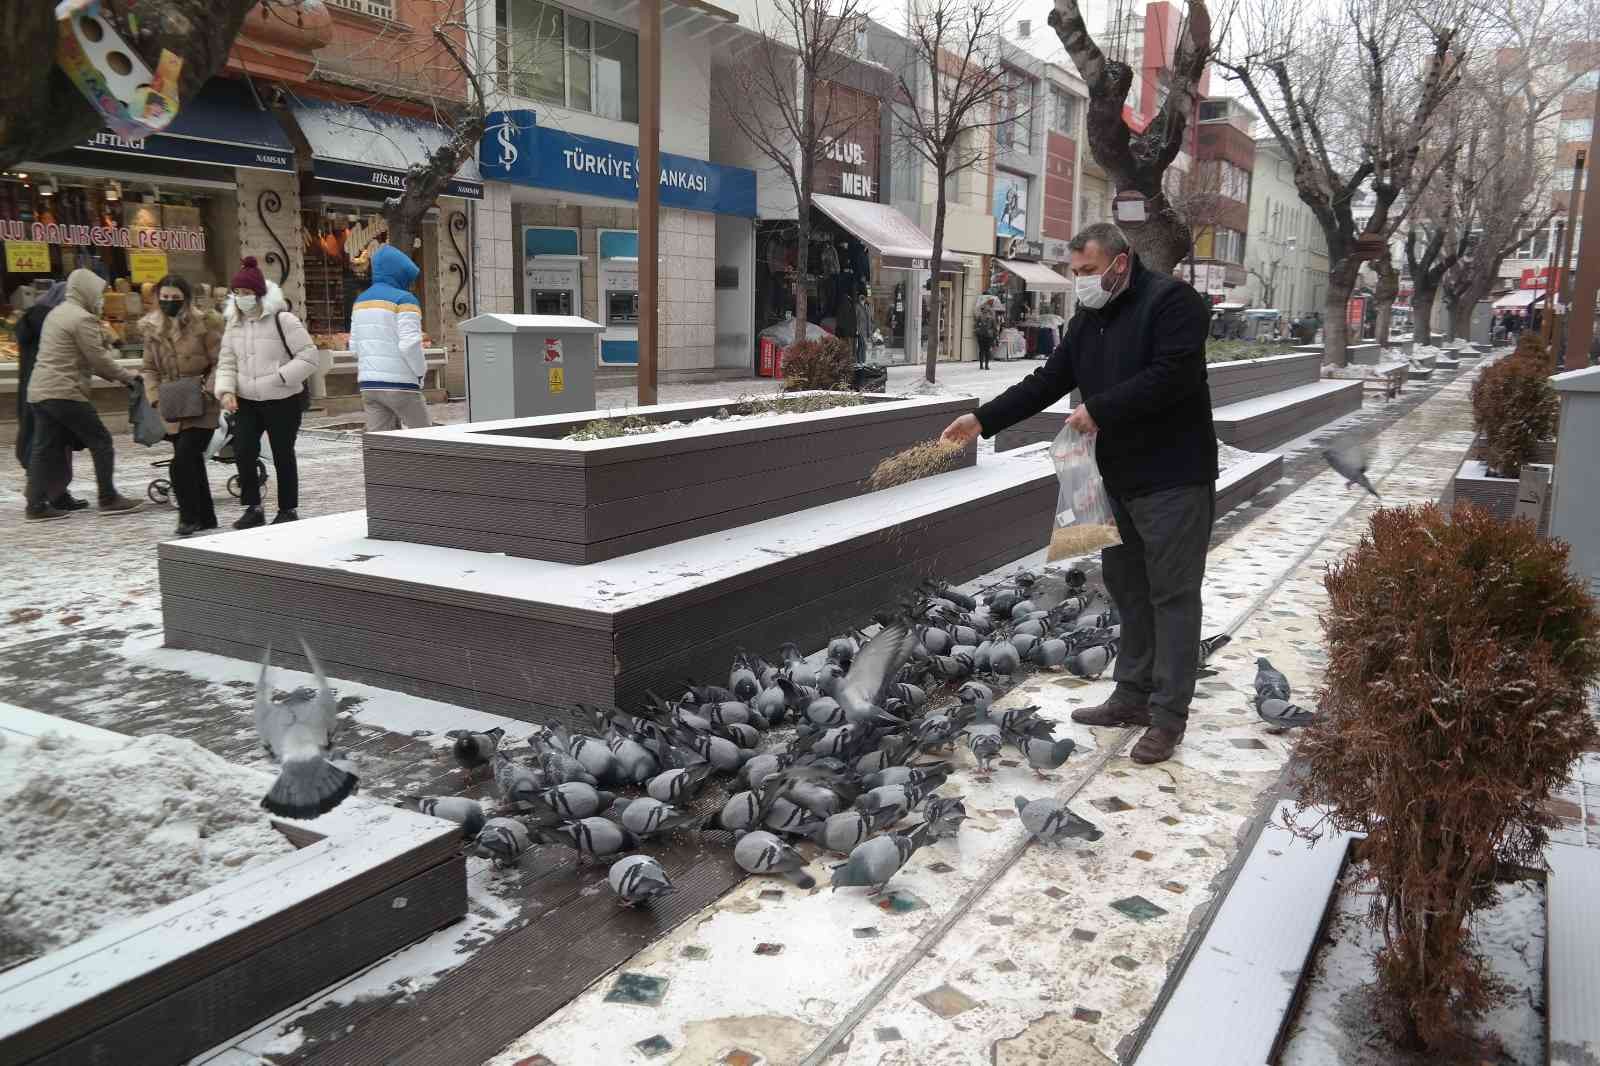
(845, 326)
(72, 351)
(864, 326)
(181, 346)
(263, 371)
(386, 335)
(984, 332)
(29, 328)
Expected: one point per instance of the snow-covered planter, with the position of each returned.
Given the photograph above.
(1496, 495)
(165, 981)
(520, 487)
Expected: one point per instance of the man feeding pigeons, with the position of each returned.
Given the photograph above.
(1135, 350)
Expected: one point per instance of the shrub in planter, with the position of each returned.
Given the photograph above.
(1515, 408)
(1454, 702)
(825, 363)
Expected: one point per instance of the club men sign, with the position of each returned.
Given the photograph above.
(848, 165)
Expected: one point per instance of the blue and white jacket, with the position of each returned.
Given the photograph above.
(386, 325)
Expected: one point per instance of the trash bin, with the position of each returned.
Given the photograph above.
(519, 366)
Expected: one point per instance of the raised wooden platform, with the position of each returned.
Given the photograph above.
(160, 988)
(1265, 422)
(517, 487)
(1240, 482)
(1367, 354)
(529, 638)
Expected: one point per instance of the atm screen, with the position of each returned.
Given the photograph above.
(552, 302)
(622, 309)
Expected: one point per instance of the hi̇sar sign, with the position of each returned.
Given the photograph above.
(848, 165)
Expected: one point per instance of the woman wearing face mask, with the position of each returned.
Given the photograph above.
(262, 371)
(180, 365)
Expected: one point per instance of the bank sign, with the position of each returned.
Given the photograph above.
(516, 149)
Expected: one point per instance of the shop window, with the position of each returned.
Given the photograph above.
(564, 58)
(382, 9)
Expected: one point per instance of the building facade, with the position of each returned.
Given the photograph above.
(1217, 197)
(1286, 255)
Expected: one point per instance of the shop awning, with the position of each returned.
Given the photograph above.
(1517, 299)
(1036, 277)
(223, 126)
(358, 146)
(899, 241)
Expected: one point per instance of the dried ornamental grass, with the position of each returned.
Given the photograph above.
(918, 461)
(1461, 652)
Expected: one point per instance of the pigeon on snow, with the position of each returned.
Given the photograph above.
(474, 750)
(873, 862)
(298, 735)
(503, 840)
(1350, 464)
(1270, 684)
(1282, 715)
(760, 852)
(468, 812)
(1051, 822)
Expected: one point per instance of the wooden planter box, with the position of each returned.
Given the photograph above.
(1497, 495)
(1362, 354)
(528, 638)
(516, 487)
(366, 881)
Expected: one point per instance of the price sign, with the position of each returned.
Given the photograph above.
(558, 381)
(147, 266)
(27, 257)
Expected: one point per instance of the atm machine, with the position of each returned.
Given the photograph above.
(619, 297)
(552, 271)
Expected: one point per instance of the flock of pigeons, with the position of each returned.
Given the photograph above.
(866, 751)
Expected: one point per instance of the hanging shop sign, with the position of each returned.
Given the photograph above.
(27, 257)
(1018, 248)
(848, 164)
(167, 240)
(147, 266)
(515, 148)
(188, 150)
(110, 73)
(385, 178)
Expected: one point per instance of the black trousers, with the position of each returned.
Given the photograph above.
(1154, 576)
(56, 425)
(280, 420)
(190, 482)
(984, 352)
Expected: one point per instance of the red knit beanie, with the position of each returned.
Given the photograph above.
(249, 277)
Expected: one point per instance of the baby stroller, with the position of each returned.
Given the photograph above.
(219, 451)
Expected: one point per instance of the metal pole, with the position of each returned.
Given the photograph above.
(649, 195)
(1580, 312)
(1558, 283)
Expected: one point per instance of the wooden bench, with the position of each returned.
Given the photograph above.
(1264, 422)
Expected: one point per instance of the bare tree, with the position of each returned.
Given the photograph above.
(780, 97)
(42, 112)
(953, 96)
(1351, 98)
(1137, 162)
(1195, 196)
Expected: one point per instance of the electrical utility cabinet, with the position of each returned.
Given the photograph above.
(519, 366)
(1575, 509)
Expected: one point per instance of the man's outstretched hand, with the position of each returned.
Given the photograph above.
(963, 430)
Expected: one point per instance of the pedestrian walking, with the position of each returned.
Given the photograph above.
(1135, 350)
(983, 331)
(29, 330)
(72, 351)
(864, 326)
(181, 346)
(263, 368)
(386, 335)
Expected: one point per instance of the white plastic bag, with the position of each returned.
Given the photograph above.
(1084, 522)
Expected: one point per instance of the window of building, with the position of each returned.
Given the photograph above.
(1535, 244)
(1221, 243)
(1063, 112)
(1587, 82)
(1577, 129)
(1213, 109)
(551, 54)
(1015, 132)
(382, 9)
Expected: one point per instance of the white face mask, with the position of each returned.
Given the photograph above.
(245, 303)
(1090, 290)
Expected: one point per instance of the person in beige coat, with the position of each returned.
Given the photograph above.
(263, 370)
(72, 351)
(181, 346)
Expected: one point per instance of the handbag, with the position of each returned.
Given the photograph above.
(305, 386)
(180, 399)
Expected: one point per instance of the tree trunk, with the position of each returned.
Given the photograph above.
(1387, 290)
(1336, 304)
(1457, 313)
(933, 286)
(1163, 240)
(802, 255)
(1422, 313)
(429, 180)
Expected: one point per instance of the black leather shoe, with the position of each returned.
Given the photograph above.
(68, 502)
(251, 518)
(290, 515)
(1113, 712)
(1156, 745)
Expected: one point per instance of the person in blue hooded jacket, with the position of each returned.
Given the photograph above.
(386, 335)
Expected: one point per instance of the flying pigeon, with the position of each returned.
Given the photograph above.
(297, 733)
(468, 812)
(638, 879)
(760, 852)
(873, 862)
(873, 667)
(1350, 464)
(474, 750)
(1270, 684)
(1282, 715)
(503, 840)
(1050, 821)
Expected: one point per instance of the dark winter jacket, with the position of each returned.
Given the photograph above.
(1140, 364)
(30, 328)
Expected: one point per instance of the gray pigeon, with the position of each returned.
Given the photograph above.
(468, 812)
(645, 817)
(738, 814)
(1046, 753)
(635, 761)
(943, 816)
(1350, 464)
(781, 816)
(572, 800)
(873, 667)
(1050, 652)
(474, 750)
(638, 879)
(1092, 661)
(873, 862)
(1282, 715)
(675, 786)
(594, 838)
(908, 775)
(503, 840)
(843, 831)
(742, 680)
(297, 734)
(597, 759)
(1270, 684)
(1004, 659)
(977, 696)
(1050, 821)
(560, 768)
(985, 744)
(519, 785)
(759, 852)
(1211, 645)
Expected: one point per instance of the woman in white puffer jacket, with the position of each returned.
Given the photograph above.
(263, 370)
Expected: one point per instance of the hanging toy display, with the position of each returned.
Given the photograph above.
(131, 99)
